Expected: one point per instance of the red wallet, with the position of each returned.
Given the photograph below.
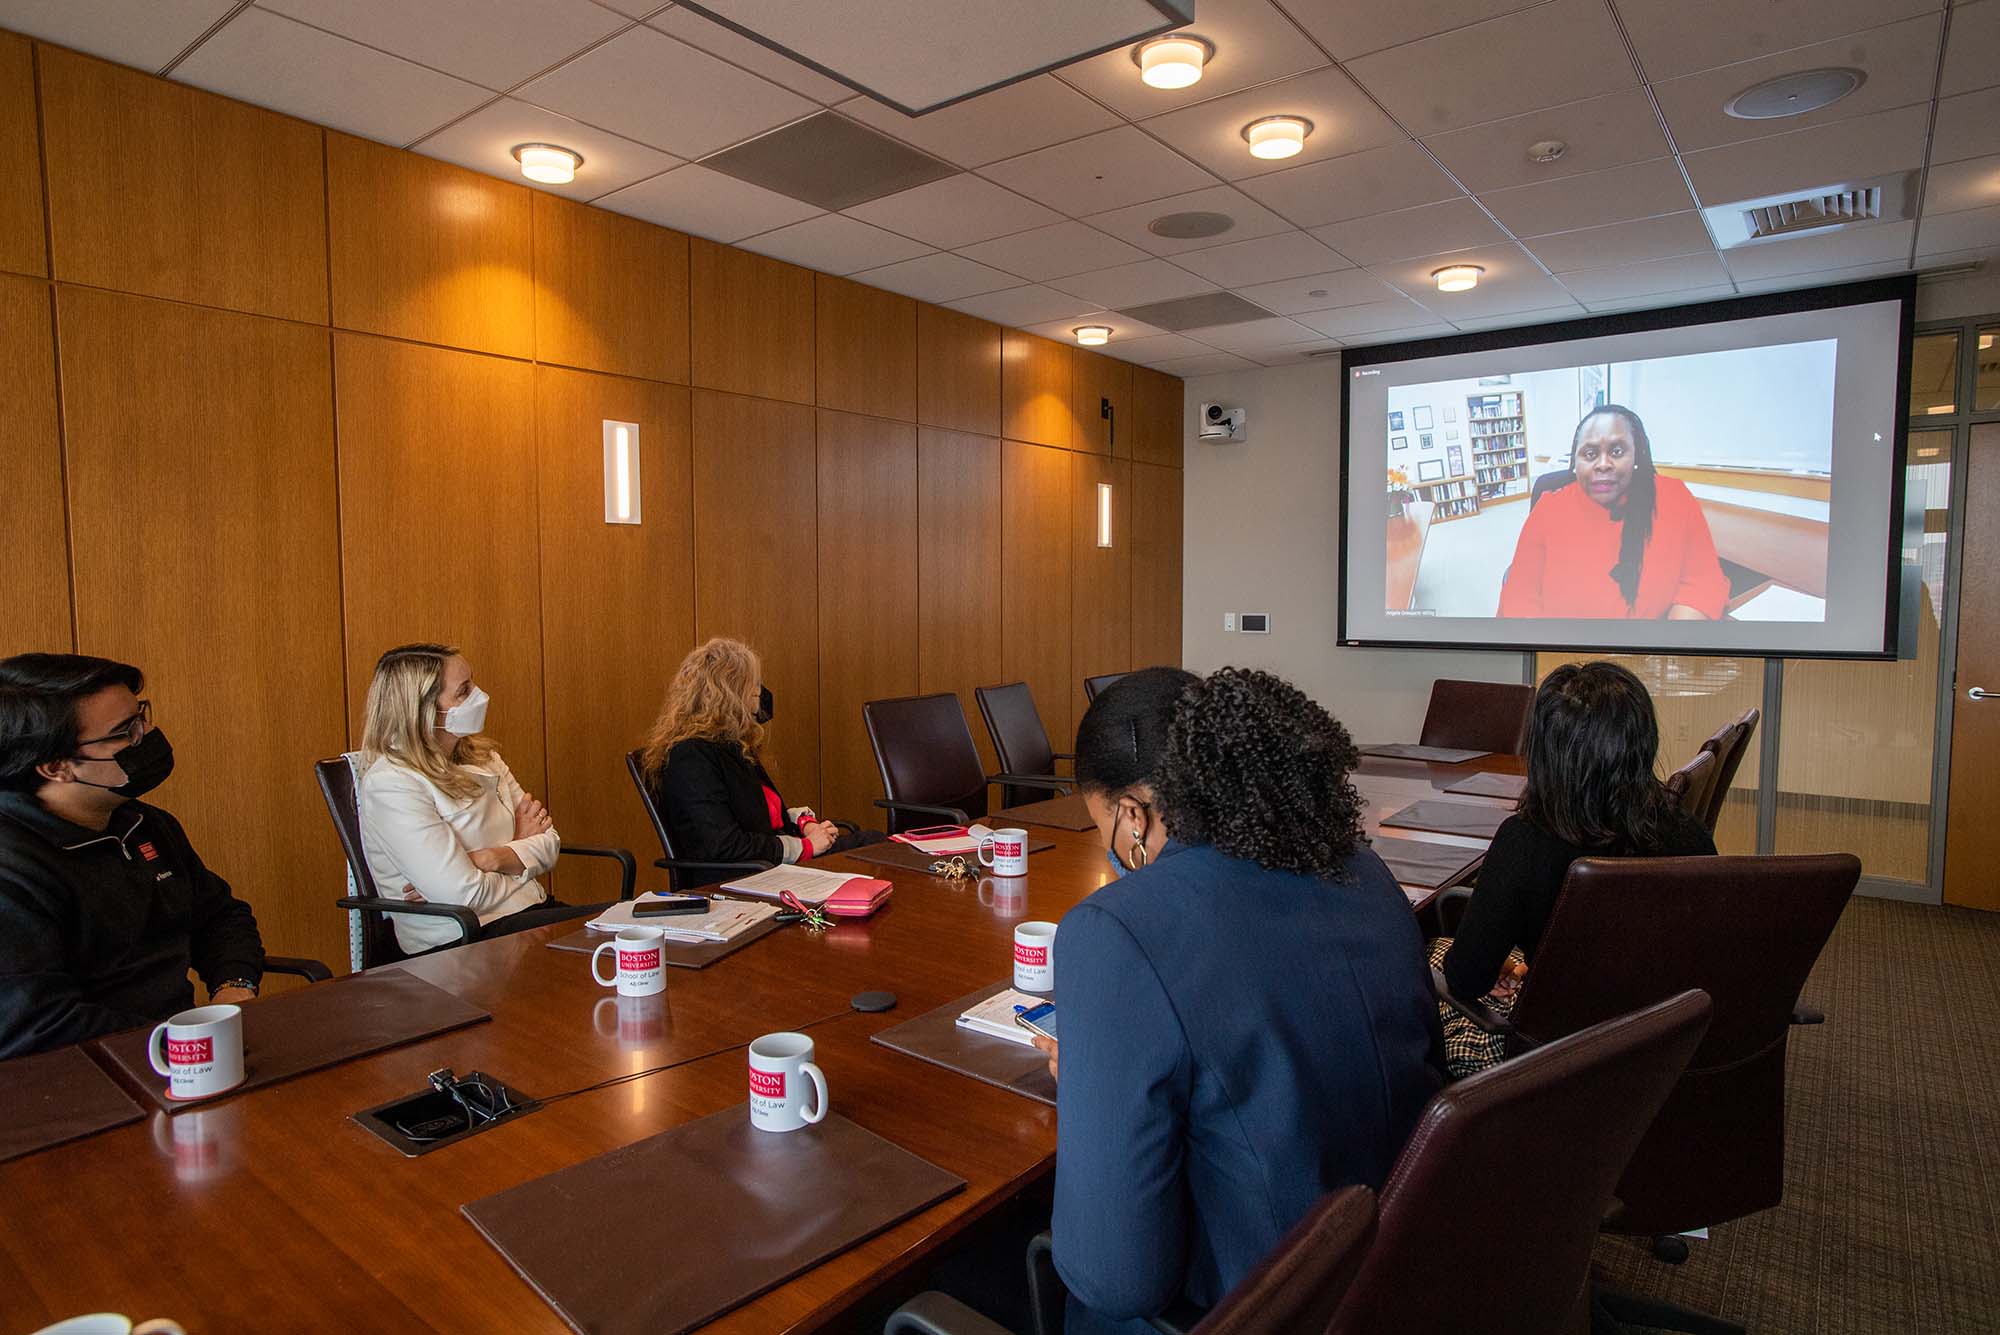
(858, 898)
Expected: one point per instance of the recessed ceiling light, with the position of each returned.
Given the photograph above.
(1092, 335)
(1191, 225)
(1457, 277)
(1793, 94)
(1172, 62)
(1277, 136)
(551, 164)
(1546, 150)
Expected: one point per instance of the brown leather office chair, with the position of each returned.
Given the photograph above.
(930, 767)
(1096, 686)
(1693, 784)
(1477, 715)
(1019, 740)
(683, 874)
(1730, 745)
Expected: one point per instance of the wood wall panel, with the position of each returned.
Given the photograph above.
(958, 371)
(617, 603)
(211, 560)
(35, 613)
(1035, 549)
(958, 566)
(868, 617)
(438, 524)
(427, 251)
(611, 292)
(1156, 565)
(1158, 430)
(751, 323)
(755, 560)
(162, 189)
(867, 349)
(22, 248)
(1100, 577)
(1095, 378)
(1035, 388)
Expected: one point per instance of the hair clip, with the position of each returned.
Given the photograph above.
(952, 869)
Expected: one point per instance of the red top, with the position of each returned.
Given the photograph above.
(776, 806)
(1562, 562)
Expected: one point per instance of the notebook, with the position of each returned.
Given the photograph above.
(994, 1016)
(810, 884)
(945, 841)
(725, 920)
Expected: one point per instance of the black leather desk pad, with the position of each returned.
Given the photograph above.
(1471, 819)
(680, 954)
(889, 853)
(936, 1037)
(1058, 813)
(742, 1211)
(1422, 863)
(55, 1097)
(315, 1027)
(1438, 755)
(1509, 786)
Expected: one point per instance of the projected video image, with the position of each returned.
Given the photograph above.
(1693, 487)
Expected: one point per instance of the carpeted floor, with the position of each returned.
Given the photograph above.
(1891, 1218)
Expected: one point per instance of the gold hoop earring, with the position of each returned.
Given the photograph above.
(1139, 855)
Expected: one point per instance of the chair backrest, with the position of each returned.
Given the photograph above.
(1488, 1218)
(925, 752)
(336, 785)
(1746, 930)
(1477, 715)
(1730, 745)
(1019, 740)
(1693, 784)
(1297, 1287)
(636, 767)
(1096, 686)
(1547, 483)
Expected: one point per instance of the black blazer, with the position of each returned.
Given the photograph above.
(712, 797)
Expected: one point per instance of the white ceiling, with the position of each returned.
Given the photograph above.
(1422, 111)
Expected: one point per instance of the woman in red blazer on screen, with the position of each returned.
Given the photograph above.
(1618, 540)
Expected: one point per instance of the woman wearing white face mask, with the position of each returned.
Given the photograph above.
(442, 818)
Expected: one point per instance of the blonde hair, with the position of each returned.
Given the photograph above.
(706, 700)
(401, 722)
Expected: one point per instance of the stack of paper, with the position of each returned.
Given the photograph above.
(951, 842)
(724, 921)
(994, 1016)
(810, 884)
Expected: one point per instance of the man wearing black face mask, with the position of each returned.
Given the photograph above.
(104, 905)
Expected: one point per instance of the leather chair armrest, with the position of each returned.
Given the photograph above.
(934, 1313)
(1808, 1015)
(310, 970)
(1448, 908)
(691, 864)
(468, 922)
(1485, 1017)
(1179, 1319)
(628, 869)
(1048, 781)
(1063, 755)
(1047, 1295)
(952, 814)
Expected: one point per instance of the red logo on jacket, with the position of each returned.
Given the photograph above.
(148, 852)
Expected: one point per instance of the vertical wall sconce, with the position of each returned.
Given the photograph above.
(1104, 514)
(621, 472)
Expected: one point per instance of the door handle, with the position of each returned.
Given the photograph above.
(1977, 693)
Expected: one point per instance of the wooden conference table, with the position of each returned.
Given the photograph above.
(274, 1211)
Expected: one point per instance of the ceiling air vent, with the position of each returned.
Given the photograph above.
(1824, 209)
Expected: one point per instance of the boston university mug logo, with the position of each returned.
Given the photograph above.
(767, 1084)
(1034, 957)
(190, 1051)
(638, 961)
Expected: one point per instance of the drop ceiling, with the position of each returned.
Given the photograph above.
(1035, 199)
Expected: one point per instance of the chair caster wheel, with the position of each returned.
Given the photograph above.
(1670, 1248)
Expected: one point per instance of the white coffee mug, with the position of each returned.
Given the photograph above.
(1035, 957)
(781, 1065)
(1010, 852)
(637, 970)
(200, 1052)
(111, 1323)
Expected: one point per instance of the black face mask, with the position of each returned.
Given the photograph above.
(147, 763)
(763, 704)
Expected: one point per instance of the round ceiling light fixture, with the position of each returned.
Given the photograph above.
(1092, 335)
(1546, 150)
(551, 164)
(1793, 94)
(1191, 225)
(1172, 62)
(1277, 136)
(1457, 277)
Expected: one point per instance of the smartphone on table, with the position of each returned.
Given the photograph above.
(1038, 1019)
(669, 904)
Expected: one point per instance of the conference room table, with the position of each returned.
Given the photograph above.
(273, 1210)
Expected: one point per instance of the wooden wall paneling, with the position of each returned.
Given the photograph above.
(1158, 431)
(165, 190)
(868, 615)
(1035, 550)
(1100, 577)
(1095, 378)
(427, 251)
(958, 570)
(209, 556)
(1156, 565)
(1034, 389)
(617, 605)
(958, 371)
(611, 292)
(438, 524)
(751, 323)
(867, 341)
(35, 614)
(755, 555)
(22, 248)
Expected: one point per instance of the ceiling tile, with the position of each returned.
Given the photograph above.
(1517, 319)
(1512, 282)
(1034, 304)
(1807, 254)
(1203, 310)
(1974, 228)
(1253, 44)
(1899, 60)
(705, 33)
(1431, 329)
(830, 162)
(497, 43)
(1299, 354)
(1972, 183)
(1132, 222)
(835, 244)
(1318, 292)
(1348, 29)
(1972, 55)
(955, 211)
(1001, 124)
(1426, 229)
(1968, 126)
(1214, 363)
(1620, 194)
(1123, 328)
(1159, 348)
(1623, 243)
(1637, 280)
(485, 142)
(1373, 317)
(1600, 132)
(146, 36)
(1132, 284)
(1850, 150)
(1658, 300)
(1266, 259)
(1343, 121)
(647, 86)
(1828, 278)
(1676, 37)
(1397, 177)
(1253, 337)
(1099, 172)
(695, 199)
(939, 277)
(268, 59)
(1050, 252)
(1555, 52)
(637, 9)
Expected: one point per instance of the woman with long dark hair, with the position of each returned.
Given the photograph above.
(1618, 540)
(1591, 746)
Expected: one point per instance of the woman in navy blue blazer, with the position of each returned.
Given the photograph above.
(1246, 1013)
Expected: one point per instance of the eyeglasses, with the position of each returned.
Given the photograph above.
(130, 732)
